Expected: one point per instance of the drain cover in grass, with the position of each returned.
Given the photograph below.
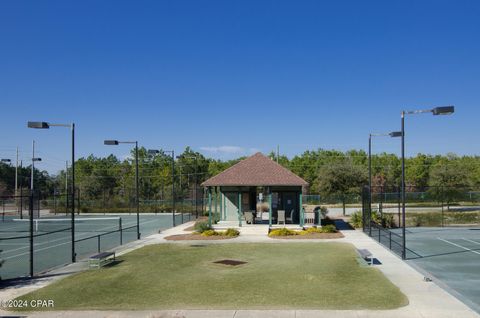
(230, 262)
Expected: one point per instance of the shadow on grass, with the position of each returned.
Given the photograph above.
(115, 262)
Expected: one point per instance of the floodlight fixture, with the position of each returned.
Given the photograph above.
(444, 110)
(38, 125)
(153, 151)
(111, 142)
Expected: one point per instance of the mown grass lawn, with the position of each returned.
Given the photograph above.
(277, 276)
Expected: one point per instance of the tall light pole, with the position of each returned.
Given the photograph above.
(392, 134)
(137, 200)
(154, 152)
(16, 179)
(47, 125)
(443, 110)
(31, 205)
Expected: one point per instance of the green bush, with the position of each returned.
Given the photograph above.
(424, 219)
(387, 221)
(322, 210)
(201, 227)
(310, 230)
(210, 233)
(463, 217)
(282, 232)
(232, 232)
(375, 217)
(356, 219)
(328, 229)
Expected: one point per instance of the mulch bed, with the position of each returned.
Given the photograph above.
(310, 236)
(197, 237)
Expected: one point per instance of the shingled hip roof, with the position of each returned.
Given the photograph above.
(257, 170)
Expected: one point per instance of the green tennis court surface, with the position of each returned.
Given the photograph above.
(52, 241)
(451, 256)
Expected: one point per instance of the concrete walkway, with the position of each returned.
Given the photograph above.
(426, 299)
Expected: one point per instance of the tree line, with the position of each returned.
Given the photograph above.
(328, 172)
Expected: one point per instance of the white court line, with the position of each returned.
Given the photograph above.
(85, 234)
(467, 249)
(60, 244)
(470, 241)
(2, 244)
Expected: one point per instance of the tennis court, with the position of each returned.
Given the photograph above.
(52, 238)
(450, 256)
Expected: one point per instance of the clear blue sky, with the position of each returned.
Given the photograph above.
(231, 77)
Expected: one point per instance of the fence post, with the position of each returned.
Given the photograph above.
(98, 243)
(31, 233)
(78, 201)
(442, 208)
(21, 203)
(121, 231)
(104, 205)
(399, 217)
(54, 202)
(390, 238)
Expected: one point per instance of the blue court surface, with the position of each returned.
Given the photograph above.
(52, 239)
(451, 257)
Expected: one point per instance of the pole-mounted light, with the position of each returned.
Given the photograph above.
(440, 110)
(47, 125)
(115, 143)
(392, 134)
(444, 110)
(110, 142)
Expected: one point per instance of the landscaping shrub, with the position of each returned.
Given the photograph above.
(424, 219)
(282, 232)
(210, 233)
(387, 221)
(375, 216)
(310, 230)
(232, 232)
(356, 219)
(328, 229)
(201, 227)
(322, 210)
(463, 217)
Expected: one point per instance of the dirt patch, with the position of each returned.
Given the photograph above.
(197, 237)
(230, 262)
(310, 236)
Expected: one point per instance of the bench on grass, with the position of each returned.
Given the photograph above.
(366, 256)
(101, 259)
